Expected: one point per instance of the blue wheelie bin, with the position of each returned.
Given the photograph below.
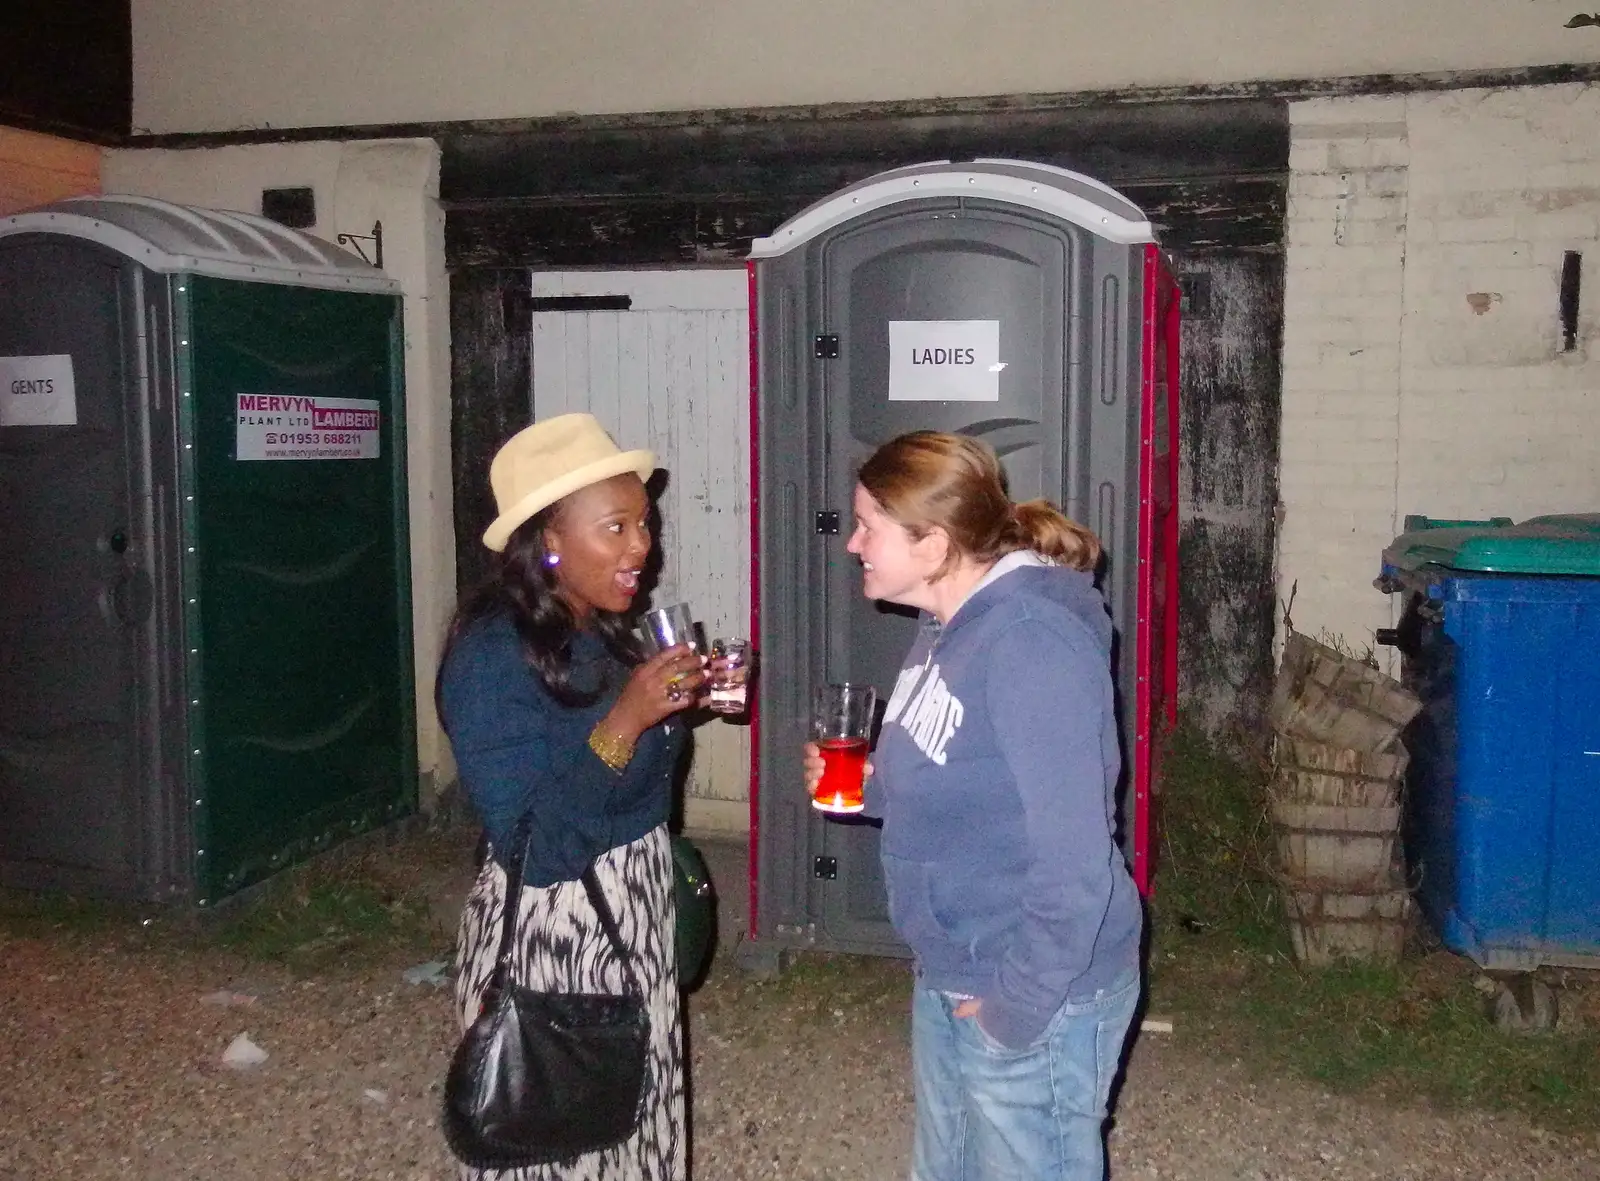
(1500, 634)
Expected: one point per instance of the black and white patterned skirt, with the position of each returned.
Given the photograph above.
(560, 945)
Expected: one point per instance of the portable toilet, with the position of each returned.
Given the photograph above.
(205, 650)
(1050, 320)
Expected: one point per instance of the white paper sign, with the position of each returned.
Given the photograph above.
(281, 426)
(38, 391)
(944, 361)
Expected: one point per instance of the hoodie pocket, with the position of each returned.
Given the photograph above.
(911, 904)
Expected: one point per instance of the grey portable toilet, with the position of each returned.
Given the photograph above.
(1017, 302)
(205, 652)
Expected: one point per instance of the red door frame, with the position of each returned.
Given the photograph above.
(1156, 652)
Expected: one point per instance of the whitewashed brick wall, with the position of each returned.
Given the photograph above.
(1423, 370)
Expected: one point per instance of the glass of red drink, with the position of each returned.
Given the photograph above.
(841, 723)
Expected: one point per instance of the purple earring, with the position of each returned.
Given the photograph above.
(552, 560)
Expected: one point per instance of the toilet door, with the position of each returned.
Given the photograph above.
(74, 581)
(968, 283)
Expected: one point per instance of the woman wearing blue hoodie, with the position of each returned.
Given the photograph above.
(995, 775)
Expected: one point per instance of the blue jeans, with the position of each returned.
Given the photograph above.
(986, 1112)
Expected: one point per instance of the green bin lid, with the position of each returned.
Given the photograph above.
(1566, 544)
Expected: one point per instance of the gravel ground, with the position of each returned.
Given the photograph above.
(110, 1067)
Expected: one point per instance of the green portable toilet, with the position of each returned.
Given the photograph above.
(205, 623)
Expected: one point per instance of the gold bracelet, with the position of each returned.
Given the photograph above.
(612, 751)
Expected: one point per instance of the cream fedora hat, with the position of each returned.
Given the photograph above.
(548, 460)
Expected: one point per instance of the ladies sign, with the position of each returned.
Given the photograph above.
(944, 361)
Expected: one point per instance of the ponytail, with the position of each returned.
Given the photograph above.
(929, 479)
(1039, 526)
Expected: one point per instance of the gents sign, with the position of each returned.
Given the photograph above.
(38, 391)
(282, 426)
(944, 361)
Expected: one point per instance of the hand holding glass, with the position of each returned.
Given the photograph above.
(666, 627)
(841, 723)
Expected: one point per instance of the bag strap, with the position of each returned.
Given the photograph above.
(521, 836)
(517, 860)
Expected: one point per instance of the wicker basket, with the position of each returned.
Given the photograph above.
(1327, 697)
(1311, 772)
(1341, 848)
(1329, 925)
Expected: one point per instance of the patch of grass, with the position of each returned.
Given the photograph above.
(35, 916)
(1220, 959)
(323, 915)
(345, 908)
(813, 989)
(1415, 1030)
(822, 982)
(1215, 872)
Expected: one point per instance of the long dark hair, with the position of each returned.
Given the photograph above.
(524, 587)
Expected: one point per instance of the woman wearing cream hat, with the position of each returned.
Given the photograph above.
(552, 713)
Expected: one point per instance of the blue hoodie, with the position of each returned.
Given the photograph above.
(995, 775)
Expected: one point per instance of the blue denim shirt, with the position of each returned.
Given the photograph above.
(517, 748)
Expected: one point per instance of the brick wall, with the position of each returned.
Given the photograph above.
(36, 169)
(1423, 362)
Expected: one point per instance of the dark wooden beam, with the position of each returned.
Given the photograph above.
(1168, 140)
(1231, 419)
(491, 382)
(1191, 216)
(1282, 90)
(579, 233)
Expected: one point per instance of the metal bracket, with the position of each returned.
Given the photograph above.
(825, 346)
(827, 522)
(826, 868)
(376, 238)
(1195, 295)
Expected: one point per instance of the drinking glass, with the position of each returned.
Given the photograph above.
(730, 676)
(665, 627)
(841, 722)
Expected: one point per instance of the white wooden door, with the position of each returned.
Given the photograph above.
(672, 374)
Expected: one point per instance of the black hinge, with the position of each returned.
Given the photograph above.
(825, 346)
(827, 522)
(826, 868)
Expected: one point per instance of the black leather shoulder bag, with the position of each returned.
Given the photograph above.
(542, 1077)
